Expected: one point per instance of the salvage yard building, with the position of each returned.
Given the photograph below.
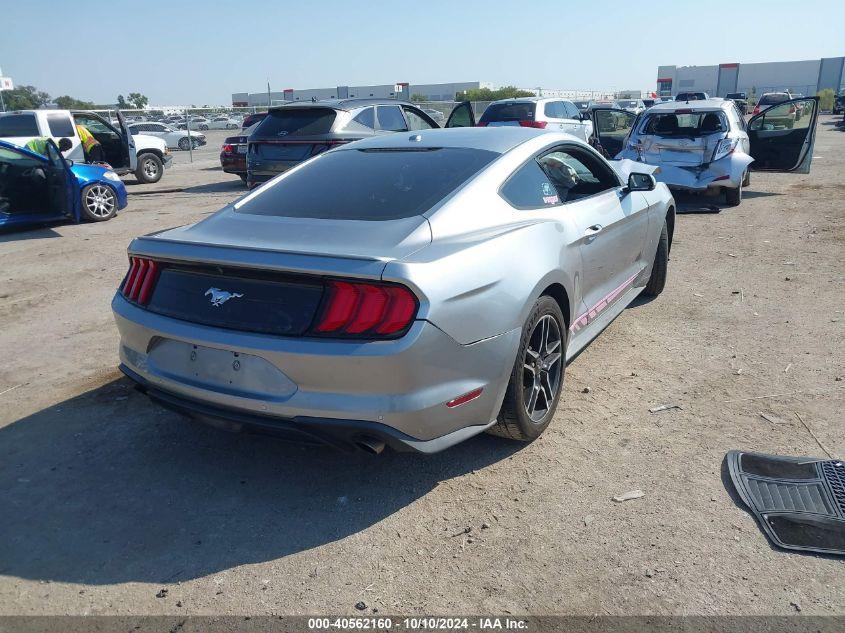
(805, 77)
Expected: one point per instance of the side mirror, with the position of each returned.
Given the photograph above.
(641, 182)
(585, 116)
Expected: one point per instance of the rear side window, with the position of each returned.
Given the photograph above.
(296, 122)
(18, 125)
(390, 119)
(554, 110)
(572, 111)
(364, 121)
(60, 125)
(369, 184)
(501, 112)
(416, 121)
(529, 188)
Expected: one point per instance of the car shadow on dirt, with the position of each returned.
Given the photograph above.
(107, 488)
(691, 203)
(226, 186)
(30, 231)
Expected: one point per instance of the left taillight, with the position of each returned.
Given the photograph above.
(228, 149)
(365, 310)
(535, 124)
(140, 281)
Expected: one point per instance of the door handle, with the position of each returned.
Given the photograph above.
(591, 233)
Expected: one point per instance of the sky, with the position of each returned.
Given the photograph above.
(193, 52)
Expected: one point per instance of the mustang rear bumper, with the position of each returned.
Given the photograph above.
(331, 390)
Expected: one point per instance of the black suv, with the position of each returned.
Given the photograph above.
(295, 132)
(741, 101)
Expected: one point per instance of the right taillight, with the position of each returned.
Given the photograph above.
(140, 281)
(535, 124)
(354, 309)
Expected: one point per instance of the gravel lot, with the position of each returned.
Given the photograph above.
(106, 499)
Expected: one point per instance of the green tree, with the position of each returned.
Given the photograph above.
(138, 100)
(418, 97)
(826, 98)
(25, 98)
(485, 94)
(121, 102)
(66, 102)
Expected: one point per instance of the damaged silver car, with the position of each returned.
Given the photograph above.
(707, 145)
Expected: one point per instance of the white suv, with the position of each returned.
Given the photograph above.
(554, 115)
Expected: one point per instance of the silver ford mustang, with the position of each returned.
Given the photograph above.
(410, 290)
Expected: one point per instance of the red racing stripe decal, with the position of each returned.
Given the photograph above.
(605, 301)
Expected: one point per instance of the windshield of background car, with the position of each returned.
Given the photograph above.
(771, 99)
(296, 122)
(500, 112)
(685, 124)
(369, 184)
(735, 95)
(627, 104)
(18, 125)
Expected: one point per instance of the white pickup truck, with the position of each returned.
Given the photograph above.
(144, 156)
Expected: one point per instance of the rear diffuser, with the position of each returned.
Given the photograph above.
(799, 502)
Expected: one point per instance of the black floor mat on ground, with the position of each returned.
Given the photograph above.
(799, 502)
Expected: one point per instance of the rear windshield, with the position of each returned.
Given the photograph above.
(296, 122)
(626, 103)
(692, 124)
(735, 95)
(689, 96)
(773, 98)
(18, 125)
(508, 112)
(369, 184)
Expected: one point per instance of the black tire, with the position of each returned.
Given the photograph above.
(747, 180)
(150, 168)
(99, 203)
(733, 197)
(518, 420)
(203, 127)
(660, 268)
(243, 177)
(184, 143)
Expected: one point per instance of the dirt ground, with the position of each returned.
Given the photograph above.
(106, 499)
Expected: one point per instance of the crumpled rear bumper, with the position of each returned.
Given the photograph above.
(726, 172)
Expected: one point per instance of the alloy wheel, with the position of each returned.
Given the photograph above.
(542, 366)
(100, 201)
(150, 168)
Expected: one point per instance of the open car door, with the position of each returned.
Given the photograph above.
(128, 143)
(611, 127)
(62, 186)
(782, 137)
(117, 142)
(462, 116)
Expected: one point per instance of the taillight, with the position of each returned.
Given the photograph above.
(365, 310)
(227, 149)
(538, 124)
(481, 124)
(756, 110)
(140, 280)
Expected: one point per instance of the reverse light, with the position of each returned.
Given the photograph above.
(536, 124)
(140, 281)
(365, 310)
(725, 147)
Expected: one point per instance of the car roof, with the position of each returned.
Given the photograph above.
(498, 139)
(713, 103)
(342, 104)
(18, 148)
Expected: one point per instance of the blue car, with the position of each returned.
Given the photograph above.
(36, 188)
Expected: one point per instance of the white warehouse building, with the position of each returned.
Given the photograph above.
(402, 90)
(806, 77)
